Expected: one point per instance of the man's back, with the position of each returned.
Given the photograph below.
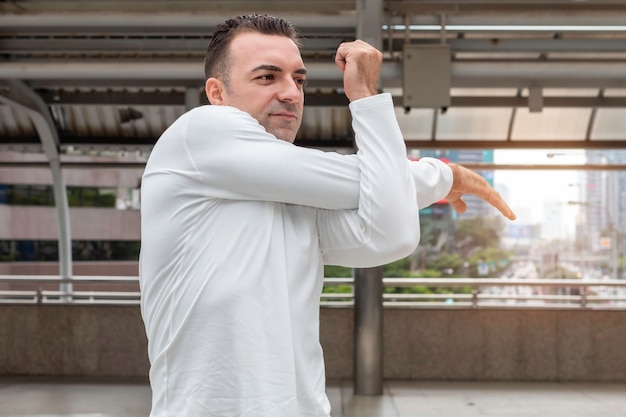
(234, 288)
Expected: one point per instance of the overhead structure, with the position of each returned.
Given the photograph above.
(94, 63)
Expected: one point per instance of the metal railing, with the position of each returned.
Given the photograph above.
(399, 292)
(490, 293)
(46, 289)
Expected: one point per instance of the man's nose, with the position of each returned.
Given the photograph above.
(291, 91)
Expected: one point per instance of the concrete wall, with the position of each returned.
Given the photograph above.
(421, 344)
(72, 340)
(518, 345)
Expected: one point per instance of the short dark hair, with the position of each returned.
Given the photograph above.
(217, 61)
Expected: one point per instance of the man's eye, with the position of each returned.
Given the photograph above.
(265, 77)
(301, 81)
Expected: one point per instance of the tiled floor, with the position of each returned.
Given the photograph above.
(27, 397)
(497, 399)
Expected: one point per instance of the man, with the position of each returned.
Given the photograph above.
(237, 224)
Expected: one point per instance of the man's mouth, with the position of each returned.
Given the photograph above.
(289, 116)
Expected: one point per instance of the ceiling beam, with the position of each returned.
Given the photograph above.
(162, 20)
(312, 99)
(112, 46)
(131, 143)
(506, 12)
(213, 7)
(516, 144)
(467, 74)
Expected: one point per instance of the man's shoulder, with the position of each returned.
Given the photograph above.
(209, 116)
(217, 111)
(219, 120)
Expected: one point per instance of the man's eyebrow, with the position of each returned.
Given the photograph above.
(267, 67)
(274, 68)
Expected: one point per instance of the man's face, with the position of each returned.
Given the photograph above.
(267, 77)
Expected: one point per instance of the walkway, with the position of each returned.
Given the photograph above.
(44, 397)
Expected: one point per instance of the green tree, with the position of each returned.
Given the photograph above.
(449, 264)
(476, 233)
(399, 268)
(334, 271)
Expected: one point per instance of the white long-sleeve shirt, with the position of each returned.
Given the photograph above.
(236, 228)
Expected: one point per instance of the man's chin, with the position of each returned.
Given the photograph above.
(290, 140)
(284, 135)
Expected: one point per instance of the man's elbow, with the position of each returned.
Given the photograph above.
(399, 244)
(407, 241)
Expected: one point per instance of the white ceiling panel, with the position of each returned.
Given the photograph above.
(551, 124)
(474, 123)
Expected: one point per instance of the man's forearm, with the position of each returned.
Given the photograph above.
(385, 227)
(433, 180)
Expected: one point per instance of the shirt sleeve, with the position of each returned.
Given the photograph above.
(235, 158)
(433, 180)
(368, 201)
(385, 227)
(337, 230)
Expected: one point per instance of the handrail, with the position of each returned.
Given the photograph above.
(57, 279)
(442, 292)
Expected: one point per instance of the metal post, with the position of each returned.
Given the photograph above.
(368, 282)
(65, 240)
(23, 97)
(368, 331)
(369, 24)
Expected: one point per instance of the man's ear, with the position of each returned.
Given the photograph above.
(214, 89)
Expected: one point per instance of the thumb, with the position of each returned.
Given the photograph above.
(340, 61)
(458, 205)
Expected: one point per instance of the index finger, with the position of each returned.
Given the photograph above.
(493, 197)
(472, 183)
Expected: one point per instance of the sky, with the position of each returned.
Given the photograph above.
(532, 193)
